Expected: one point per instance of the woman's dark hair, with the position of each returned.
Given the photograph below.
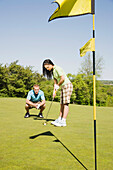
(46, 72)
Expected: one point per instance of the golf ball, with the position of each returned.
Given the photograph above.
(45, 124)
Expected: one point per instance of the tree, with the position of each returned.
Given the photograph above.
(87, 71)
(87, 66)
(81, 90)
(4, 80)
(71, 77)
(16, 81)
(101, 95)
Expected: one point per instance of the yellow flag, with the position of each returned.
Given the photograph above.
(89, 46)
(68, 8)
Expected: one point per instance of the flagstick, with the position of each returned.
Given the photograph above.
(94, 95)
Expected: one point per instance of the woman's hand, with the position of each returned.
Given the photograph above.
(54, 94)
(56, 87)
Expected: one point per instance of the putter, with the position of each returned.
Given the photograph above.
(45, 123)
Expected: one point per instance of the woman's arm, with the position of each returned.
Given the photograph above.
(55, 84)
(61, 80)
(55, 81)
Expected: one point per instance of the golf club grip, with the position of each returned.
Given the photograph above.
(53, 97)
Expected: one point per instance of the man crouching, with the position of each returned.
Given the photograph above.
(35, 99)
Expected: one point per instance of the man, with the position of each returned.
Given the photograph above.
(35, 99)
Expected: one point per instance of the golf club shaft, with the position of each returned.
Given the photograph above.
(49, 109)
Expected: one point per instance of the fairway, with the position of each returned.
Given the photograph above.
(26, 144)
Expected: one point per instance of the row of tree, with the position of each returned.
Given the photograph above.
(16, 81)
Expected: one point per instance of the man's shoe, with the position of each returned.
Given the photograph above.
(60, 123)
(40, 115)
(27, 115)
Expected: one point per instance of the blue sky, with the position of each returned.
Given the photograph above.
(26, 35)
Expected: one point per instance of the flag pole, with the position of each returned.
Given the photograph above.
(94, 96)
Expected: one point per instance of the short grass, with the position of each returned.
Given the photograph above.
(26, 144)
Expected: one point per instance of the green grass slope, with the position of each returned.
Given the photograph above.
(26, 144)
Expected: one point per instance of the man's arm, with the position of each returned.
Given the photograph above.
(42, 103)
(31, 103)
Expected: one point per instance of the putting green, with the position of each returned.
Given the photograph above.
(28, 144)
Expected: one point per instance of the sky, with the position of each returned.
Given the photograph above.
(27, 36)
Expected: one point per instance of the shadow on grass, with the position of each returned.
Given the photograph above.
(47, 120)
(35, 117)
(48, 133)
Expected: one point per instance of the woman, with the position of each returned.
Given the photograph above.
(60, 79)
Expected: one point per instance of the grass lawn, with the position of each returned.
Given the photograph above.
(26, 144)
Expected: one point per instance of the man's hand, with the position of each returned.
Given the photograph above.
(56, 87)
(38, 106)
